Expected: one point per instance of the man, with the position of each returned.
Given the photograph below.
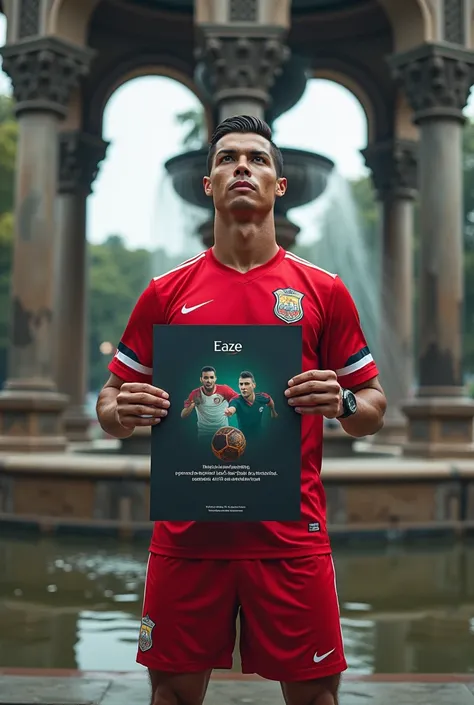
(280, 575)
(210, 401)
(249, 406)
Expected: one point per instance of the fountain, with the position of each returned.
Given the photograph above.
(307, 174)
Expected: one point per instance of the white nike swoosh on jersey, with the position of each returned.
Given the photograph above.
(193, 308)
(317, 658)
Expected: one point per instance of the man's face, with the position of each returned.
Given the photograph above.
(208, 380)
(246, 387)
(243, 178)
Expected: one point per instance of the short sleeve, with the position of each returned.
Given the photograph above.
(343, 346)
(133, 359)
(193, 397)
(228, 393)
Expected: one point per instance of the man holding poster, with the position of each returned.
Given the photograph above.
(279, 575)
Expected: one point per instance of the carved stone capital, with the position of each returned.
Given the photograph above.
(241, 63)
(80, 155)
(394, 167)
(44, 72)
(436, 79)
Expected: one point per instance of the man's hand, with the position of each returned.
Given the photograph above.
(141, 405)
(230, 411)
(315, 392)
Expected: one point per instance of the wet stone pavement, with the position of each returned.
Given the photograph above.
(118, 689)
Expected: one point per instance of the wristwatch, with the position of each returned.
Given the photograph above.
(349, 403)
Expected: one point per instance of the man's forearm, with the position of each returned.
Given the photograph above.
(107, 413)
(368, 419)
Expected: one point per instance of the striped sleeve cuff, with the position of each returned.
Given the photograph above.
(128, 358)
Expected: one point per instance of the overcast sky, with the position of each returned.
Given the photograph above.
(131, 196)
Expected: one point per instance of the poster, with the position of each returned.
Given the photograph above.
(230, 447)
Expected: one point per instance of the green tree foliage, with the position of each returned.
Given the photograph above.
(8, 142)
(195, 122)
(117, 276)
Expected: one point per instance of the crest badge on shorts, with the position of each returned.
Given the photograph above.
(145, 640)
(288, 305)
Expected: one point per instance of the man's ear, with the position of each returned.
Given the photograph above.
(207, 186)
(281, 186)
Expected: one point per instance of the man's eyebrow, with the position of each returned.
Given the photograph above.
(253, 152)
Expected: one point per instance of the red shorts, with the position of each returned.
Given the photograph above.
(289, 616)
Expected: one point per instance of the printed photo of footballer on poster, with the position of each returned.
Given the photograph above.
(230, 446)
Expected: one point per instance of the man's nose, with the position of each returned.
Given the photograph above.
(242, 168)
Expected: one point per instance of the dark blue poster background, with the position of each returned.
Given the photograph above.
(191, 482)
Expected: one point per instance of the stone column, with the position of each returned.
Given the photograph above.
(80, 155)
(240, 52)
(44, 71)
(394, 173)
(437, 80)
(238, 64)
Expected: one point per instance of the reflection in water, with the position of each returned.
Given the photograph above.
(68, 604)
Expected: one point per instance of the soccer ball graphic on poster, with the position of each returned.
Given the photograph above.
(228, 443)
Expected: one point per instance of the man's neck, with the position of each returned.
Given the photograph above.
(244, 245)
(209, 392)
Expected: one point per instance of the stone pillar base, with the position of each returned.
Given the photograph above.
(394, 431)
(286, 231)
(77, 424)
(206, 231)
(32, 422)
(139, 443)
(439, 427)
(336, 442)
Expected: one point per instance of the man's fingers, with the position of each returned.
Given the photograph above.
(316, 400)
(141, 410)
(143, 388)
(142, 398)
(311, 375)
(311, 387)
(323, 410)
(132, 422)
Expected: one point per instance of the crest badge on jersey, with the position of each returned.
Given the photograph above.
(288, 305)
(145, 640)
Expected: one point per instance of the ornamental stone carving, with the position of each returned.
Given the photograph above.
(436, 79)
(29, 24)
(243, 10)
(80, 155)
(454, 21)
(244, 64)
(44, 72)
(394, 167)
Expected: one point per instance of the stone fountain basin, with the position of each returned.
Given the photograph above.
(307, 174)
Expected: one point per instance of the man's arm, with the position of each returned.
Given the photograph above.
(188, 410)
(271, 406)
(122, 406)
(106, 409)
(346, 362)
(371, 407)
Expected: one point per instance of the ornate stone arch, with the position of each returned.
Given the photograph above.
(376, 103)
(413, 22)
(135, 67)
(69, 19)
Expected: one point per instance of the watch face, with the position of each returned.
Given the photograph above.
(351, 402)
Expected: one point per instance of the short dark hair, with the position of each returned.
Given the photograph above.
(207, 368)
(245, 124)
(247, 375)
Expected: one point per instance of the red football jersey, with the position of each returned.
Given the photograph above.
(287, 290)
